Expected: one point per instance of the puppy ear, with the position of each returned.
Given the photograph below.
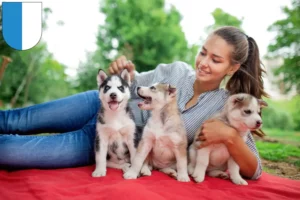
(101, 76)
(237, 98)
(172, 90)
(126, 76)
(262, 103)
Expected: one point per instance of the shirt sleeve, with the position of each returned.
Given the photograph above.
(162, 73)
(251, 144)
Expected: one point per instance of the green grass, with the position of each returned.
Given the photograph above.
(292, 137)
(279, 152)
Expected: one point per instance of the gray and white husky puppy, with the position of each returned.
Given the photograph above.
(163, 145)
(242, 112)
(115, 129)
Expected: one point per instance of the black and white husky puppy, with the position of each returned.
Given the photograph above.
(115, 128)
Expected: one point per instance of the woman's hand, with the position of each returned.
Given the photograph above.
(121, 63)
(215, 131)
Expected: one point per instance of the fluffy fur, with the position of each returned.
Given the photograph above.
(242, 112)
(164, 143)
(115, 128)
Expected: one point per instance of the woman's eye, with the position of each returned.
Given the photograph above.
(216, 61)
(248, 112)
(202, 53)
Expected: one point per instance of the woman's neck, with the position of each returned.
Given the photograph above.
(200, 87)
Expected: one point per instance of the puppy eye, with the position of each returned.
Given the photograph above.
(121, 88)
(152, 88)
(248, 112)
(106, 88)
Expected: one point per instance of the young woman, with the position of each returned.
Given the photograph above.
(226, 52)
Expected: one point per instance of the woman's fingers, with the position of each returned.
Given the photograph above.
(121, 63)
(201, 138)
(115, 67)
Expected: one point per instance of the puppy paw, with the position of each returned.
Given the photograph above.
(99, 173)
(145, 171)
(130, 175)
(126, 167)
(183, 177)
(223, 176)
(190, 169)
(198, 177)
(239, 181)
(218, 174)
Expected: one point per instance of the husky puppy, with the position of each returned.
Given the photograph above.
(115, 128)
(242, 112)
(164, 142)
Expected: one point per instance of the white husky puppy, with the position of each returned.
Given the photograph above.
(164, 142)
(115, 128)
(242, 112)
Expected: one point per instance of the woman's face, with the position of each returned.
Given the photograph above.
(213, 61)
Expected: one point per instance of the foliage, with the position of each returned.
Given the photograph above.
(295, 111)
(282, 114)
(287, 45)
(273, 117)
(222, 18)
(34, 76)
(144, 31)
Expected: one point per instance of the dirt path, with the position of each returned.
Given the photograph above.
(281, 169)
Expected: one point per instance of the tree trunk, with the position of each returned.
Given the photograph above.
(28, 82)
(23, 83)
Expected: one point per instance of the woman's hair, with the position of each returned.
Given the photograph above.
(248, 79)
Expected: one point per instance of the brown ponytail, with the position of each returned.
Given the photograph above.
(248, 79)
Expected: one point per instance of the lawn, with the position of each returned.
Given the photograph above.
(284, 146)
(291, 137)
(279, 152)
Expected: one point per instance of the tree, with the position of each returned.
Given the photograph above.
(144, 31)
(34, 76)
(222, 18)
(287, 46)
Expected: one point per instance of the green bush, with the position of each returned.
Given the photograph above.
(275, 118)
(295, 111)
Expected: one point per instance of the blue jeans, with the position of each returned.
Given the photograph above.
(73, 117)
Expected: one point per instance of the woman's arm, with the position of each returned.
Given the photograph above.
(244, 154)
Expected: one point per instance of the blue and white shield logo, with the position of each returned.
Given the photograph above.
(22, 24)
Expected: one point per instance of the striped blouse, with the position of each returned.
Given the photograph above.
(182, 76)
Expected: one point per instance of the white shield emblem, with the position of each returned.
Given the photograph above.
(22, 24)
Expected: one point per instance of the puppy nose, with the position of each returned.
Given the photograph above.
(138, 88)
(258, 123)
(113, 95)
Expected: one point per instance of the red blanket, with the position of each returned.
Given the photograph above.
(77, 183)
